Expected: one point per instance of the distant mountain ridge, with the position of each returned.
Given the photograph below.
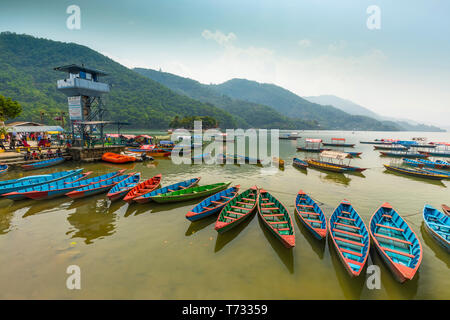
(356, 109)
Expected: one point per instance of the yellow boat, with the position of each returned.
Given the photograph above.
(323, 166)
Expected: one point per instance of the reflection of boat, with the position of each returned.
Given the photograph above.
(350, 237)
(438, 225)
(301, 164)
(237, 210)
(173, 187)
(311, 215)
(123, 187)
(415, 173)
(43, 164)
(143, 188)
(3, 168)
(396, 242)
(276, 217)
(186, 194)
(213, 204)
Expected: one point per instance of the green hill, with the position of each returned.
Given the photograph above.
(292, 105)
(249, 114)
(27, 75)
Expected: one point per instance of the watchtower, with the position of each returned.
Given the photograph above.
(84, 96)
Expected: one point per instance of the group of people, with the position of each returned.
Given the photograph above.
(40, 155)
(18, 139)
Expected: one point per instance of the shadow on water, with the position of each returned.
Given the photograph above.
(437, 249)
(286, 255)
(302, 170)
(92, 220)
(434, 182)
(43, 206)
(335, 177)
(200, 224)
(351, 287)
(318, 246)
(225, 238)
(393, 288)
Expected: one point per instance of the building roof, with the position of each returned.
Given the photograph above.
(73, 68)
(35, 129)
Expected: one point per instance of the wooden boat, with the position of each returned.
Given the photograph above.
(446, 209)
(190, 193)
(350, 237)
(276, 217)
(444, 154)
(96, 188)
(23, 193)
(49, 191)
(154, 152)
(396, 242)
(316, 150)
(390, 148)
(3, 168)
(123, 187)
(117, 158)
(43, 164)
(37, 180)
(311, 215)
(415, 173)
(346, 167)
(438, 225)
(438, 172)
(237, 210)
(298, 163)
(338, 144)
(213, 204)
(438, 164)
(354, 154)
(143, 188)
(413, 163)
(28, 178)
(376, 142)
(319, 165)
(173, 187)
(402, 154)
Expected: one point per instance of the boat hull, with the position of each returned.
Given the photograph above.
(189, 196)
(43, 164)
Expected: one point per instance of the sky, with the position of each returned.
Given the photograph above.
(311, 47)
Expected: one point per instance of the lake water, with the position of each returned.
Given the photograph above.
(150, 251)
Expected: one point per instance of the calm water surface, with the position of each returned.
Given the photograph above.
(150, 251)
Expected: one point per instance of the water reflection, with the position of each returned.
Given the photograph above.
(438, 250)
(39, 207)
(225, 238)
(435, 182)
(337, 178)
(92, 220)
(318, 246)
(286, 255)
(5, 221)
(200, 224)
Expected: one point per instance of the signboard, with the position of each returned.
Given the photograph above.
(75, 110)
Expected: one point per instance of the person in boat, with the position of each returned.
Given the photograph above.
(27, 155)
(49, 154)
(41, 155)
(58, 153)
(34, 155)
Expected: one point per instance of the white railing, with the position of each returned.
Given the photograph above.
(82, 84)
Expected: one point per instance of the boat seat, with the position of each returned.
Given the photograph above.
(349, 219)
(237, 213)
(225, 197)
(209, 208)
(348, 233)
(398, 252)
(439, 225)
(274, 215)
(305, 206)
(357, 263)
(216, 202)
(349, 241)
(387, 216)
(313, 213)
(389, 227)
(312, 221)
(253, 200)
(391, 238)
(358, 254)
(271, 208)
(283, 229)
(279, 222)
(240, 208)
(245, 203)
(226, 217)
(346, 212)
(170, 190)
(347, 225)
(268, 204)
(265, 199)
(181, 187)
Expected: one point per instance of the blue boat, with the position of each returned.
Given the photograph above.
(122, 188)
(63, 183)
(350, 237)
(440, 172)
(400, 154)
(396, 242)
(311, 215)
(213, 204)
(438, 225)
(299, 163)
(3, 168)
(50, 191)
(43, 164)
(173, 187)
(96, 188)
(438, 164)
(43, 179)
(413, 163)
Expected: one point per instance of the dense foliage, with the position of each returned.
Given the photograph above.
(188, 122)
(27, 75)
(9, 109)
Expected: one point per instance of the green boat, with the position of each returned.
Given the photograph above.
(190, 193)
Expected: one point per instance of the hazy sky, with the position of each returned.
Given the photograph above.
(310, 47)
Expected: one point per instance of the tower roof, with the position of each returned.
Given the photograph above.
(73, 68)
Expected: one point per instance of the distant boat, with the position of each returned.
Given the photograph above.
(399, 154)
(391, 148)
(438, 164)
(438, 225)
(301, 164)
(415, 173)
(171, 188)
(43, 164)
(435, 153)
(338, 144)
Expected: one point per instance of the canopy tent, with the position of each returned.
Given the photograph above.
(335, 154)
(35, 129)
(313, 140)
(116, 135)
(338, 139)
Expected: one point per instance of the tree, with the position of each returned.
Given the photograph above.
(9, 109)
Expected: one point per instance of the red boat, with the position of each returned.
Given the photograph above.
(143, 188)
(446, 209)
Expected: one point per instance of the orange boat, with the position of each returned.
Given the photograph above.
(117, 158)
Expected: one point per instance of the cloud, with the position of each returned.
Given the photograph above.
(304, 43)
(219, 37)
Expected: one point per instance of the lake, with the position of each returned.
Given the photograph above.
(151, 251)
